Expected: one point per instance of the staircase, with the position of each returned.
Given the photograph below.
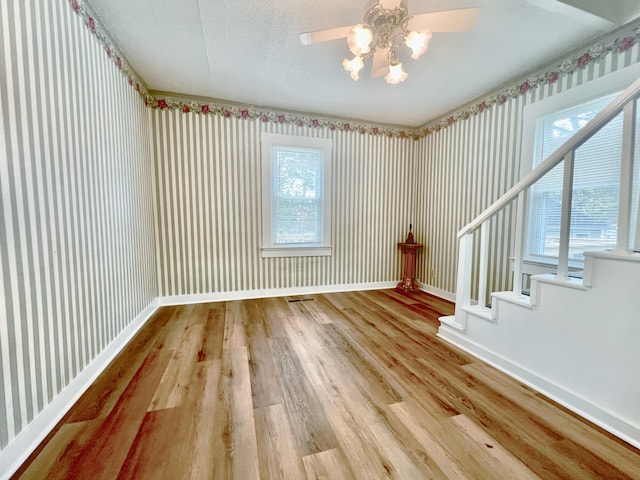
(576, 340)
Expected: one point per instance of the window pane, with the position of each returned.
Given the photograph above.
(596, 192)
(544, 217)
(595, 186)
(557, 128)
(297, 196)
(634, 240)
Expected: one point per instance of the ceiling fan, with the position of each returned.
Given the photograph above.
(387, 26)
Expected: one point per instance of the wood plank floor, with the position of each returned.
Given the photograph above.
(336, 386)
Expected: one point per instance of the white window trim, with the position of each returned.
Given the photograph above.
(610, 83)
(268, 249)
(599, 87)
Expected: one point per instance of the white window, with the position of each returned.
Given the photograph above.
(594, 209)
(296, 196)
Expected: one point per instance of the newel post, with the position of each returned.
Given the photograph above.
(463, 289)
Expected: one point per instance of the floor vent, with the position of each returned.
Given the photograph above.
(296, 300)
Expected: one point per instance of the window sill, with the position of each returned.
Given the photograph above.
(281, 252)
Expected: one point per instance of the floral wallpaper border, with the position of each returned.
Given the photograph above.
(110, 49)
(596, 53)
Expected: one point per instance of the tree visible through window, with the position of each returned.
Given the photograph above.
(296, 196)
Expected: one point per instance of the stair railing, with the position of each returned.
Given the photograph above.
(626, 103)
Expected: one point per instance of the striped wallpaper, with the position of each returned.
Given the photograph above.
(209, 217)
(208, 177)
(77, 239)
(106, 205)
(462, 169)
(454, 174)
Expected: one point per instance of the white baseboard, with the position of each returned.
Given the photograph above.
(19, 449)
(437, 292)
(274, 292)
(617, 426)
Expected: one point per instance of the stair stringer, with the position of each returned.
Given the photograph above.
(577, 344)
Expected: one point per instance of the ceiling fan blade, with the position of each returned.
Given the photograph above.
(318, 36)
(389, 4)
(380, 63)
(446, 21)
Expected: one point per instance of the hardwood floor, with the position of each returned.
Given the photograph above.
(337, 386)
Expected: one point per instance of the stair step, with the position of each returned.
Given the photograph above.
(480, 312)
(450, 321)
(563, 282)
(513, 297)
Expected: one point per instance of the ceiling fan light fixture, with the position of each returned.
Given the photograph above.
(360, 39)
(418, 42)
(353, 66)
(385, 29)
(396, 73)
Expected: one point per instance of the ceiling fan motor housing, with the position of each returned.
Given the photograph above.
(389, 26)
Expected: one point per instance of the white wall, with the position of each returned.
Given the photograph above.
(77, 243)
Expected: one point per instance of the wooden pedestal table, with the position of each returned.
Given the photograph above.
(409, 250)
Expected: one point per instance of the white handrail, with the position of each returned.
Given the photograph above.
(581, 137)
(624, 102)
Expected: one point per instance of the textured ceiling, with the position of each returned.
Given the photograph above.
(249, 52)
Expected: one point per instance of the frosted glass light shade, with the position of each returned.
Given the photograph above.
(353, 66)
(396, 74)
(418, 42)
(360, 39)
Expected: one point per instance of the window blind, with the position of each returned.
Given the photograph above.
(595, 185)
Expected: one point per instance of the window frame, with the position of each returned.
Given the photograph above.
(535, 112)
(269, 141)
